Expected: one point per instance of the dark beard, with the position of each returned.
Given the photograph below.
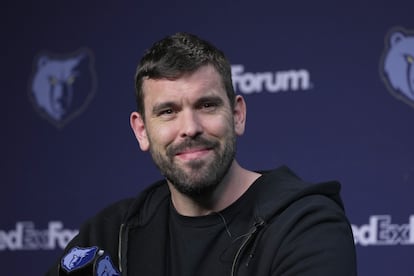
(204, 177)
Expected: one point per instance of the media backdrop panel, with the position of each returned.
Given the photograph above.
(329, 89)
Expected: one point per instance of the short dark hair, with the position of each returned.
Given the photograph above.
(176, 55)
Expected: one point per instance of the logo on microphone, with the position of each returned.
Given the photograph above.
(106, 267)
(397, 64)
(78, 258)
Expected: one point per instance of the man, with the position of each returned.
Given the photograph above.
(209, 216)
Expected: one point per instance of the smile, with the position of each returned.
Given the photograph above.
(193, 153)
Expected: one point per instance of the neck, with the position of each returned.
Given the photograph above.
(234, 185)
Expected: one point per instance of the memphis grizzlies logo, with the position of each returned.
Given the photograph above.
(78, 258)
(397, 64)
(62, 86)
(105, 267)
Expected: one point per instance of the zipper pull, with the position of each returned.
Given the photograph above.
(256, 227)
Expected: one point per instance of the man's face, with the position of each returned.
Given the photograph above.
(189, 129)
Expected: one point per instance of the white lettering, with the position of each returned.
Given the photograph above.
(13, 239)
(248, 82)
(411, 229)
(366, 234)
(26, 237)
(59, 236)
(380, 231)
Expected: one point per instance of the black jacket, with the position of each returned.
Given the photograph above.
(298, 229)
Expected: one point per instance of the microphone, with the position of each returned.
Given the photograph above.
(87, 261)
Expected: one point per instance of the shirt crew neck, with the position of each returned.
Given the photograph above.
(216, 218)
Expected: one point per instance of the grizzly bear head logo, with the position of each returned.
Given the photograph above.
(62, 85)
(397, 65)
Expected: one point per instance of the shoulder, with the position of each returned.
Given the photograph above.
(314, 227)
(113, 214)
(280, 188)
(131, 210)
(106, 224)
(305, 220)
(295, 209)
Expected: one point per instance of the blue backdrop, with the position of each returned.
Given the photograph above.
(329, 89)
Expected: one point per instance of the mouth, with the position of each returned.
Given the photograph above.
(193, 153)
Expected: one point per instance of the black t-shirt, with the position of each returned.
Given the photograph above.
(207, 245)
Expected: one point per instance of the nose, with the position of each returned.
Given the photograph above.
(190, 124)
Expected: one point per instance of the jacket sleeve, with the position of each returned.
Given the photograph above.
(317, 240)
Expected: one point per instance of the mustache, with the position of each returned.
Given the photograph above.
(189, 144)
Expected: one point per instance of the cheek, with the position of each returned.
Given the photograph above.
(219, 128)
(160, 137)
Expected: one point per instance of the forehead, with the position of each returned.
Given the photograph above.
(205, 81)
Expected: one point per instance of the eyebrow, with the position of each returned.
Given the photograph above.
(215, 99)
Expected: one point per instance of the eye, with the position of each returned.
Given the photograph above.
(209, 105)
(70, 80)
(53, 80)
(168, 112)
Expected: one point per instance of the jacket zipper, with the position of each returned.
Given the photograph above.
(257, 225)
(120, 236)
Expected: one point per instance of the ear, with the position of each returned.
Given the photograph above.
(239, 114)
(138, 126)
